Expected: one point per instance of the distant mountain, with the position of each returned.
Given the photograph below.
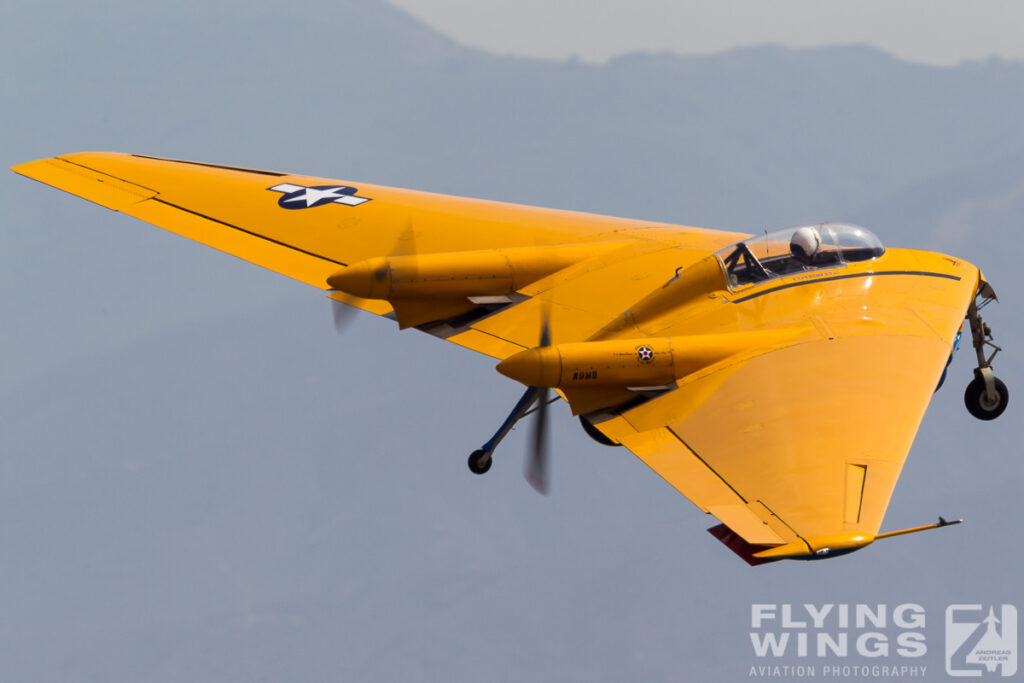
(747, 139)
(976, 212)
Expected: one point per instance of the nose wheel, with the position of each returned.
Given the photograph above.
(986, 396)
(983, 403)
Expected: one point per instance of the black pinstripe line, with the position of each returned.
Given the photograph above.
(921, 273)
(221, 166)
(249, 232)
(705, 463)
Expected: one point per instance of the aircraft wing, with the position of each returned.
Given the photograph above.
(794, 401)
(796, 447)
(309, 228)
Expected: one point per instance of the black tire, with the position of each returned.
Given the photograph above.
(974, 399)
(479, 461)
(596, 434)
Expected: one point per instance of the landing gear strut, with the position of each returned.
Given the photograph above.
(480, 460)
(986, 396)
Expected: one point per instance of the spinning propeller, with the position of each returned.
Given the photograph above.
(536, 469)
(405, 244)
(343, 314)
(536, 466)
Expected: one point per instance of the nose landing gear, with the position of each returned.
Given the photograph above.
(986, 396)
(983, 402)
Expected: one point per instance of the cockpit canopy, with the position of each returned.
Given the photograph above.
(779, 253)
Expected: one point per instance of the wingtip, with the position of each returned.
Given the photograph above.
(80, 174)
(25, 168)
(22, 168)
(32, 169)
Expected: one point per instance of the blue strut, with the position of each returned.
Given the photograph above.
(528, 398)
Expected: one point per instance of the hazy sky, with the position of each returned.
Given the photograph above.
(200, 480)
(933, 31)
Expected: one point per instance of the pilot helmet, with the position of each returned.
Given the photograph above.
(805, 243)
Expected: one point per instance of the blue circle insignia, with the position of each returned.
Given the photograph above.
(298, 197)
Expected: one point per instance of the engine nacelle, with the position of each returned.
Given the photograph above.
(459, 274)
(597, 373)
(427, 287)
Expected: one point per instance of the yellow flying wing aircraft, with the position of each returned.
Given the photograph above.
(777, 381)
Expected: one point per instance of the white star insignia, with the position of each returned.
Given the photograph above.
(308, 197)
(312, 195)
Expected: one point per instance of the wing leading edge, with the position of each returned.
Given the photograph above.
(310, 229)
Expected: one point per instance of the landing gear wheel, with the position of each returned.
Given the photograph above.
(979, 405)
(479, 461)
(596, 434)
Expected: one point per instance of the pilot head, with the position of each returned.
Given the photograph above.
(805, 244)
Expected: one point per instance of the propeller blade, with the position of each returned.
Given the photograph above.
(343, 315)
(537, 462)
(405, 244)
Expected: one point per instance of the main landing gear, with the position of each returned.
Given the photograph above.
(986, 396)
(480, 460)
